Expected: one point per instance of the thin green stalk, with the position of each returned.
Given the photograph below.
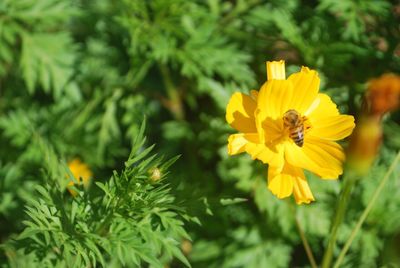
(175, 105)
(366, 211)
(338, 219)
(303, 237)
(307, 247)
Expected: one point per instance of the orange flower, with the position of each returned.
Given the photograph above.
(81, 172)
(383, 94)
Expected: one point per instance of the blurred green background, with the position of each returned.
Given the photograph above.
(81, 75)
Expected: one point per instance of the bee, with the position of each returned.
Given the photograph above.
(294, 122)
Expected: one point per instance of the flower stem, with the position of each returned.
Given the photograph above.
(349, 181)
(303, 237)
(366, 211)
(175, 102)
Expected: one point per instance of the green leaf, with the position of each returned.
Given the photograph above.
(47, 59)
(232, 201)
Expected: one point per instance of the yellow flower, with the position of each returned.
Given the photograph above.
(303, 142)
(81, 172)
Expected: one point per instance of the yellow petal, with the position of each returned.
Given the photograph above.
(326, 107)
(301, 190)
(273, 129)
(333, 127)
(291, 179)
(236, 143)
(260, 151)
(321, 157)
(250, 143)
(274, 99)
(280, 184)
(240, 113)
(306, 87)
(81, 173)
(267, 154)
(276, 70)
(260, 117)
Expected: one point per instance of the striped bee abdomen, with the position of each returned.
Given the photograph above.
(297, 135)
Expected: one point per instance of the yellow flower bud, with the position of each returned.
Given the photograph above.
(155, 174)
(186, 247)
(364, 144)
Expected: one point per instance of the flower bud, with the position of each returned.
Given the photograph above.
(186, 247)
(155, 174)
(382, 96)
(365, 143)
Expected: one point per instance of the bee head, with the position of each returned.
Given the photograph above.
(291, 117)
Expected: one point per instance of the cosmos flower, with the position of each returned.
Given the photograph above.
(289, 126)
(381, 97)
(81, 172)
(383, 94)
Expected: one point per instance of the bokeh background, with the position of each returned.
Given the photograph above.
(83, 75)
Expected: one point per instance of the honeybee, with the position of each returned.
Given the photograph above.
(294, 122)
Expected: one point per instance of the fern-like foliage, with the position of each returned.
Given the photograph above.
(129, 220)
(79, 75)
(34, 33)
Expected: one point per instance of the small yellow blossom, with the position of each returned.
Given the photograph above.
(291, 127)
(81, 172)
